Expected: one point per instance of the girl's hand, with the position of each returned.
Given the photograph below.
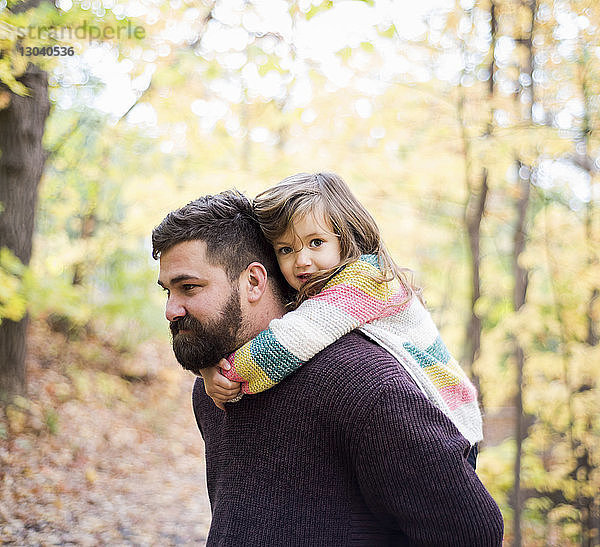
(217, 387)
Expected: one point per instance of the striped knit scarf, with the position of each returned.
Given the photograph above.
(354, 299)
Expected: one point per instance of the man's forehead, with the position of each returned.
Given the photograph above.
(186, 259)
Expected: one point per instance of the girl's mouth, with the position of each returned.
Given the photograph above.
(303, 277)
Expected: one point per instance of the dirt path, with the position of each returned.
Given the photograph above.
(93, 459)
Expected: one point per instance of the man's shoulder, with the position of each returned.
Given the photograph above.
(354, 348)
(351, 372)
(358, 362)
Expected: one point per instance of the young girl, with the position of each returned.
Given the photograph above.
(329, 250)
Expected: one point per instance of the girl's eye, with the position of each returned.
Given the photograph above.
(284, 250)
(316, 242)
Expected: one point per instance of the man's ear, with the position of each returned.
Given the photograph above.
(255, 281)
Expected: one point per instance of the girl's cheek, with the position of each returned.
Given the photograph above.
(283, 260)
(284, 265)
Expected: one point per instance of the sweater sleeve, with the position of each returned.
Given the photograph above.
(413, 473)
(350, 299)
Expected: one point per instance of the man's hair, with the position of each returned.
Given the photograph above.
(226, 223)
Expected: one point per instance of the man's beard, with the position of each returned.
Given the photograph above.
(205, 344)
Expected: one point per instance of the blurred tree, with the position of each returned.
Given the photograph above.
(523, 30)
(520, 277)
(22, 161)
(530, 124)
(23, 112)
(476, 176)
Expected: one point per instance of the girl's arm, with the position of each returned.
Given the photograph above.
(350, 299)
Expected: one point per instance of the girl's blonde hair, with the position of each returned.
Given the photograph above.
(358, 233)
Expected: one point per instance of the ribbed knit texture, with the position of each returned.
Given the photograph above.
(347, 451)
(353, 298)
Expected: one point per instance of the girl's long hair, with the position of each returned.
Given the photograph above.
(358, 233)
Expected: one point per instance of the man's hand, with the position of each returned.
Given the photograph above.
(217, 387)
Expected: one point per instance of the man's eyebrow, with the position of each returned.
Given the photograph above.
(179, 279)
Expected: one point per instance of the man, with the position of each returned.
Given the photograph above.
(346, 451)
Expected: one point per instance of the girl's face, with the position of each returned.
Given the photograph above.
(308, 246)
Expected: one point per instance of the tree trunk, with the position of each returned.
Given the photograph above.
(473, 216)
(474, 208)
(520, 276)
(526, 89)
(516, 501)
(21, 167)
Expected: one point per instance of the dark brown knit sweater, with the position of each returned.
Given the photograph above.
(346, 451)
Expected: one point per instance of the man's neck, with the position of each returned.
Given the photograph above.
(259, 316)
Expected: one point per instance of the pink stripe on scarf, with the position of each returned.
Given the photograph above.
(360, 305)
(458, 395)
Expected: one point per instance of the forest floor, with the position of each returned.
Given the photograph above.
(104, 450)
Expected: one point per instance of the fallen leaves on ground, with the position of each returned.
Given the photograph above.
(96, 456)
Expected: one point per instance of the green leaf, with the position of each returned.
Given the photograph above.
(367, 46)
(7, 78)
(13, 304)
(315, 10)
(345, 53)
(389, 32)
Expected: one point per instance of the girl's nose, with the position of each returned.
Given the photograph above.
(302, 257)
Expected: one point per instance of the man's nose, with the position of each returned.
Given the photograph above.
(174, 309)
